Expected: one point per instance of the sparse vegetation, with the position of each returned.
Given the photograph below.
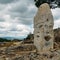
(4, 40)
(52, 3)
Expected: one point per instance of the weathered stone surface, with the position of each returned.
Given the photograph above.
(43, 29)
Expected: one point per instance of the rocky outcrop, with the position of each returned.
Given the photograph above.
(57, 38)
(43, 28)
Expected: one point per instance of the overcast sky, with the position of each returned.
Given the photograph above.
(16, 17)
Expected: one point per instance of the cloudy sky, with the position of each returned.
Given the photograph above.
(16, 18)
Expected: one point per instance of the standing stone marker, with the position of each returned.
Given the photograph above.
(43, 29)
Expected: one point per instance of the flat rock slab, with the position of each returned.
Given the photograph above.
(34, 55)
(50, 55)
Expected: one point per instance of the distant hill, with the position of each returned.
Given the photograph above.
(12, 38)
(30, 37)
(9, 38)
(4, 40)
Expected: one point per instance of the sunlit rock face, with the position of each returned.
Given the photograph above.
(43, 28)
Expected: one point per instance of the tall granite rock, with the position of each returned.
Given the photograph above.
(43, 28)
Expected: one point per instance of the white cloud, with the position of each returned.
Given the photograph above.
(16, 17)
(57, 24)
(56, 15)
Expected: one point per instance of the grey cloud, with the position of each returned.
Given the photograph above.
(2, 7)
(29, 1)
(17, 12)
(56, 17)
(3, 32)
(26, 22)
(1, 27)
(20, 9)
(2, 20)
(14, 30)
(23, 13)
(5, 1)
